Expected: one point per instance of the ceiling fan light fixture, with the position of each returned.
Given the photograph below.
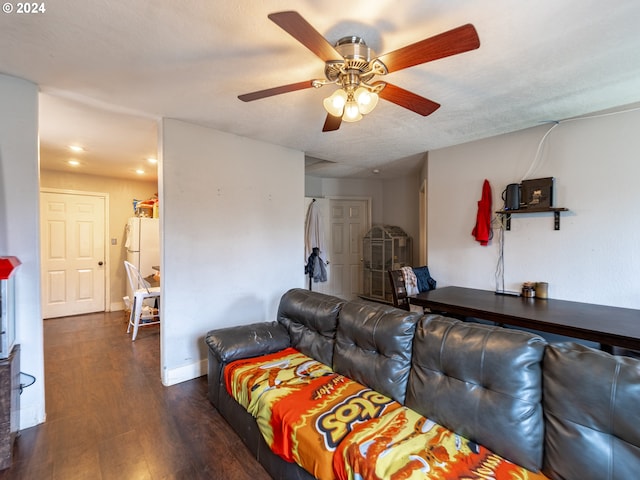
(366, 100)
(352, 66)
(334, 104)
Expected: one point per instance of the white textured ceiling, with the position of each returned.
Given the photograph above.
(109, 69)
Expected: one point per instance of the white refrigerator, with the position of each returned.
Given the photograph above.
(143, 245)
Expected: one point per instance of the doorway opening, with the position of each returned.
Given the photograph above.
(112, 153)
(346, 221)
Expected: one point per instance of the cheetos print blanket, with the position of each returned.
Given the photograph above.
(404, 445)
(303, 409)
(334, 427)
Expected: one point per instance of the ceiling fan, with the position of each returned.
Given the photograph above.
(351, 65)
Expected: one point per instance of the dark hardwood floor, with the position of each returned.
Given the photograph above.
(110, 417)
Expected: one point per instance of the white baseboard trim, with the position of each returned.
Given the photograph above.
(116, 306)
(184, 373)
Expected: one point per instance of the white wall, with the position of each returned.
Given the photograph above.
(393, 201)
(400, 208)
(19, 230)
(233, 228)
(593, 258)
(348, 187)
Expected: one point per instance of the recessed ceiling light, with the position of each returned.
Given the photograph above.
(73, 163)
(376, 171)
(76, 148)
(152, 160)
(140, 171)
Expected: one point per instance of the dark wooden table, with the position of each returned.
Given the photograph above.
(610, 326)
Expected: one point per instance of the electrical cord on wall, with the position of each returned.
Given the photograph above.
(500, 268)
(25, 385)
(499, 274)
(538, 156)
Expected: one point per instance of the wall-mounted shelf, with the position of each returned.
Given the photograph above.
(555, 210)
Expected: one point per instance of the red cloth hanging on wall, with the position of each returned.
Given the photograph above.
(482, 231)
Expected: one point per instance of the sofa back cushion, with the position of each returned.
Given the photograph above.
(310, 318)
(592, 413)
(482, 382)
(373, 346)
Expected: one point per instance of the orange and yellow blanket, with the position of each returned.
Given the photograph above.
(404, 445)
(302, 407)
(334, 427)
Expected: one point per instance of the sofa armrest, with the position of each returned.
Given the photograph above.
(245, 341)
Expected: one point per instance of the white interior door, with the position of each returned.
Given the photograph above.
(350, 221)
(72, 241)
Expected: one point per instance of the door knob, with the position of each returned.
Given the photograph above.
(100, 263)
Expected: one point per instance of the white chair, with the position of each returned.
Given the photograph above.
(144, 303)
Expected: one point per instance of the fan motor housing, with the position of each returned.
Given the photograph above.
(356, 64)
(354, 48)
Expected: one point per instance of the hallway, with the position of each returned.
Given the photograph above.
(110, 417)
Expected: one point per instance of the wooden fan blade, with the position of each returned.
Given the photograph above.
(452, 42)
(301, 30)
(269, 92)
(331, 123)
(408, 100)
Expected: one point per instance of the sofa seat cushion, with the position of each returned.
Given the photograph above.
(302, 408)
(592, 413)
(482, 382)
(404, 444)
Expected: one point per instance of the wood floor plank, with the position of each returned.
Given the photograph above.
(110, 417)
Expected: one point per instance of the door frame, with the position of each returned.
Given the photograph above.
(107, 261)
(423, 225)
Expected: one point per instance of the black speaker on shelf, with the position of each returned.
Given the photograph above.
(511, 197)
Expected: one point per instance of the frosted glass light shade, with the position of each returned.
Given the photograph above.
(351, 112)
(367, 100)
(334, 104)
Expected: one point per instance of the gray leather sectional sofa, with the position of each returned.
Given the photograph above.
(566, 410)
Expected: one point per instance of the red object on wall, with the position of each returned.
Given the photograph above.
(7, 266)
(482, 231)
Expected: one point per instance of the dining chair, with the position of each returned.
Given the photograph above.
(399, 290)
(145, 303)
